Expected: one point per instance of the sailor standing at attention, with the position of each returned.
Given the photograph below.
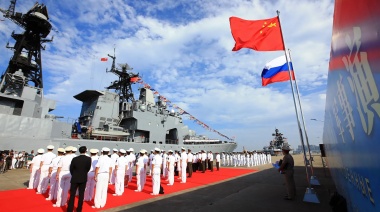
(35, 170)
(190, 158)
(46, 160)
(183, 164)
(120, 167)
(133, 160)
(203, 162)
(63, 177)
(90, 185)
(157, 164)
(164, 162)
(217, 158)
(103, 172)
(128, 172)
(286, 168)
(146, 161)
(79, 168)
(211, 161)
(114, 158)
(53, 167)
(170, 165)
(140, 170)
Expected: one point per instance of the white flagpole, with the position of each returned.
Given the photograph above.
(310, 195)
(313, 179)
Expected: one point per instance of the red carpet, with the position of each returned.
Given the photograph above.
(28, 200)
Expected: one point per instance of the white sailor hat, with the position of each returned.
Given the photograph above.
(142, 151)
(156, 149)
(74, 149)
(50, 147)
(131, 149)
(105, 149)
(69, 148)
(115, 150)
(183, 148)
(93, 151)
(170, 151)
(40, 150)
(61, 150)
(122, 151)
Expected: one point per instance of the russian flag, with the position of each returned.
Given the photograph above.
(276, 71)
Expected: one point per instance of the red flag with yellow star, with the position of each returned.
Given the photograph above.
(259, 35)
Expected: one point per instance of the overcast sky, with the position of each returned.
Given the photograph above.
(182, 48)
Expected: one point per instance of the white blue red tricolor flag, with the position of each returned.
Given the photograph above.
(276, 71)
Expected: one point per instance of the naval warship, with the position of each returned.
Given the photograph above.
(112, 117)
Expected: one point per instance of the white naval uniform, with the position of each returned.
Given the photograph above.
(140, 173)
(90, 185)
(183, 166)
(114, 158)
(164, 168)
(121, 163)
(156, 180)
(35, 174)
(150, 163)
(132, 162)
(145, 160)
(53, 181)
(46, 160)
(64, 179)
(171, 161)
(104, 164)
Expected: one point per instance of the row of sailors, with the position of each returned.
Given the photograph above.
(105, 170)
(245, 159)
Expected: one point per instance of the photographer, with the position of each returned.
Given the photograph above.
(286, 168)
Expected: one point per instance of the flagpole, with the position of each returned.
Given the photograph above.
(310, 196)
(313, 179)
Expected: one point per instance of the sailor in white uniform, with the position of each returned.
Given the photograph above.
(35, 170)
(103, 172)
(53, 167)
(90, 185)
(63, 177)
(183, 161)
(114, 158)
(46, 160)
(170, 165)
(164, 168)
(120, 168)
(132, 162)
(140, 170)
(156, 165)
(146, 161)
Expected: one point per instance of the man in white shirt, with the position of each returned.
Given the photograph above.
(53, 167)
(164, 168)
(140, 170)
(90, 185)
(156, 165)
(46, 160)
(190, 158)
(63, 176)
(217, 158)
(211, 161)
(203, 162)
(133, 159)
(103, 172)
(120, 168)
(114, 158)
(183, 161)
(170, 165)
(35, 170)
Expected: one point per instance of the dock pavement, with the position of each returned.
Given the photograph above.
(260, 191)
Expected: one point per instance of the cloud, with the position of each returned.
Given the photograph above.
(183, 50)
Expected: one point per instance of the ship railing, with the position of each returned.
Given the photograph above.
(171, 141)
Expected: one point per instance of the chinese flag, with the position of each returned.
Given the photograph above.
(259, 35)
(104, 59)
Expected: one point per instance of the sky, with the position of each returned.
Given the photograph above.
(182, 49)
